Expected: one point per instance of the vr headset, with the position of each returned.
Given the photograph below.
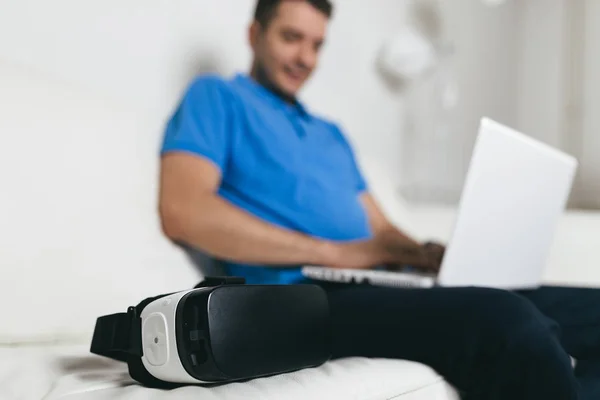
(221, 331)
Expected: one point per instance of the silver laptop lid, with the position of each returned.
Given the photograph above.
(515, 193)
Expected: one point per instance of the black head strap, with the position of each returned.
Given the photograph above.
(212, 281)
(118, 336)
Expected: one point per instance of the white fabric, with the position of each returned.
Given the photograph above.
(72, 373)
(79, 227)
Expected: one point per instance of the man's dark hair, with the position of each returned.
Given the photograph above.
(266, 9)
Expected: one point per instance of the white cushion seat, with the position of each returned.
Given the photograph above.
(72, 373)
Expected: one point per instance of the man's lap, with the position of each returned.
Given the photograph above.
(440, 316)
(572, 314)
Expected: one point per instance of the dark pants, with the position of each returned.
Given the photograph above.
(489, 344)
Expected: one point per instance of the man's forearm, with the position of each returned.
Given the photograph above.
(226, 232)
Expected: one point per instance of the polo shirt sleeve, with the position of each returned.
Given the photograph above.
(200, 124)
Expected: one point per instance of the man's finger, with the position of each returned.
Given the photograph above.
(420, 261)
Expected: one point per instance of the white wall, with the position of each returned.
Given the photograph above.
(530, 64)
(141, 54)
(120, 50)
(534, 65)
(510, 64)
(559, 84)
(590, 149)
(541, 78)
(485, 66)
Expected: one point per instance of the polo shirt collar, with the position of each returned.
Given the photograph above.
(271, 96)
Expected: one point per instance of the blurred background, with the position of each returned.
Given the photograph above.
(408, 80)
(86, 87)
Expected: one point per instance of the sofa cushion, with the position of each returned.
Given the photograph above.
(70, 372)
(80, 232)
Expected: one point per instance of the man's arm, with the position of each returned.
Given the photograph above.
(192, 212)
(380, 224)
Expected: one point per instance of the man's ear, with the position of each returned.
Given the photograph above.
(253, 34)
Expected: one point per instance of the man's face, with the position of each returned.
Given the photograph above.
(286, 51)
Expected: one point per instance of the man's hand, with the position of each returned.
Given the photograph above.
(435, 252)
(396, 248)
(390, 249)
(405, 252)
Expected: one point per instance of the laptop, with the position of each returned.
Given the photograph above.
(515, 193)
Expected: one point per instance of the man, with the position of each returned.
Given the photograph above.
(250, 177)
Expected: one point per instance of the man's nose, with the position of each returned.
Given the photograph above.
(307, 57)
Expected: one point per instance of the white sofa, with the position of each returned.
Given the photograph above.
(81, 238)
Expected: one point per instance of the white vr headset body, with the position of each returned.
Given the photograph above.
(220, 331)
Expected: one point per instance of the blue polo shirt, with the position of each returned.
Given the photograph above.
(277, 161)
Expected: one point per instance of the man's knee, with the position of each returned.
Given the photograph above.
(518, 330)
(516, 336)
(506, 317)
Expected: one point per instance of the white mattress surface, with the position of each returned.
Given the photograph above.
(72, 373)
